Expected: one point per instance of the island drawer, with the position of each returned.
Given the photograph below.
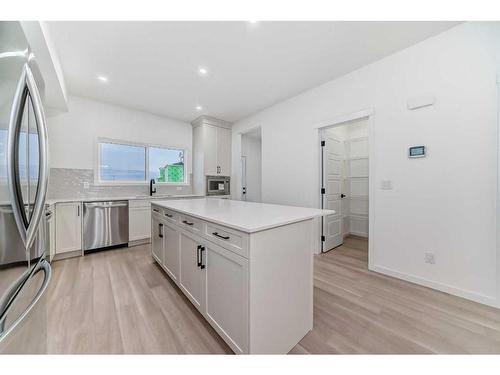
(190, 223)
(171, 216)
(228, 238)
(157, 211)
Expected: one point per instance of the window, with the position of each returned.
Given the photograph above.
(166, 165)
(122, 162)
(128, 163)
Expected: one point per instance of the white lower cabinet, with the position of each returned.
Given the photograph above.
(213, 278)
(171, 238)
(226, 307)
(139, 214)
(68, 227)
(191, 280)
(157, 227)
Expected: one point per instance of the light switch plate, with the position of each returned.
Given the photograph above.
(386, 185)
(179, 188)
(86, 185)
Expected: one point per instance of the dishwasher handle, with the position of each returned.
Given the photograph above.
(105, 204)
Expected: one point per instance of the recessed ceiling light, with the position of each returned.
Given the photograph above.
(202, 71)
(102, 78)
(253, 22)
(199, 107)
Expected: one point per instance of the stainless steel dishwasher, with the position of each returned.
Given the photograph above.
(105, 224)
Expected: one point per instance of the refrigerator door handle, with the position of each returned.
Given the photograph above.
(27, 87)
(44, 266)
(10, 294)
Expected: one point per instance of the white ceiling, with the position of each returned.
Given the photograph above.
(153, 66)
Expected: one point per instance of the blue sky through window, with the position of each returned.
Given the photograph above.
(122, 162)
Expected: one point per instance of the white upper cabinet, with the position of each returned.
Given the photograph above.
(224, 151)
(212, 148)
(208, 142)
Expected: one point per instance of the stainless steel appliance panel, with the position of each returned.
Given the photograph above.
(24, 273)
(23, 323)
(218, 185)
(105, 224)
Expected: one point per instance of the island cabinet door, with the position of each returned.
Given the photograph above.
(226, 306)
(171, 251)
(191, 277)
(157, 230)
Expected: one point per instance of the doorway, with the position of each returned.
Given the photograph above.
(251, 166)
(345, 183)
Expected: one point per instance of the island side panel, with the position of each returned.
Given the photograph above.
(281, 287)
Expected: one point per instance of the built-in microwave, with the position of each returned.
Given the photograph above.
(217, 185)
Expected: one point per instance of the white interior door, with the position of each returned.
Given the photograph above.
(333, 156)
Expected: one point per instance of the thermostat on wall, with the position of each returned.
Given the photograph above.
(416, 152)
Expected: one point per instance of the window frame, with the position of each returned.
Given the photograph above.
(146, 146)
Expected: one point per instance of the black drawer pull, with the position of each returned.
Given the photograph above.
(168, 215)
(187, 222)
(155, 210)
(218, 235)
(160, 230)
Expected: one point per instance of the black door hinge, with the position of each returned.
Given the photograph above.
(323, 238)
(323, 143)
(323, 191)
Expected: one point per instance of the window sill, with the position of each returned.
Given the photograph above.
(142, 183)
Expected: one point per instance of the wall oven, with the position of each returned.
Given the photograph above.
(218, 185)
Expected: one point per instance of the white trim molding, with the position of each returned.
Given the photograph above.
(354, 116)
(369, 114)
(146, 146)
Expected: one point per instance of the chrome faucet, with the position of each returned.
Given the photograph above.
(151, 190)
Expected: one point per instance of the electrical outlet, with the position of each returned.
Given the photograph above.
(86, 185)
(430, 258)
(179, 188)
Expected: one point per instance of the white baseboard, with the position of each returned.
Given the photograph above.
(476, 297)
(359, 234)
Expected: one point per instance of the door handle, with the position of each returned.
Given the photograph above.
(44, 266)
(160, 230)
(26, 88)
(342, 195)
(198, 258)
(202, 249)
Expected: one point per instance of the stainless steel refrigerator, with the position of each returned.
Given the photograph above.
(24, 271)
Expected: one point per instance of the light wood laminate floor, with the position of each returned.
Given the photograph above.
(120, 301)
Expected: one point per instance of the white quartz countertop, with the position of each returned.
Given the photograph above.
(247, 217)
(122, 198)
(52, 201)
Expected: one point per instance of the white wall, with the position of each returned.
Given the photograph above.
(444, 203)
(72, 134)
(251, 147)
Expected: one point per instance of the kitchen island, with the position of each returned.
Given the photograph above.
(247, 267)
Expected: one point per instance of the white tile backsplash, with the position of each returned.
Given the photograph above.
(72, 183)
